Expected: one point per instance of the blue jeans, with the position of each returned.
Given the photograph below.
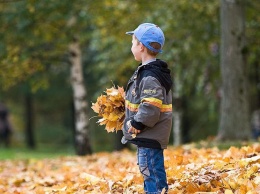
(151, 165)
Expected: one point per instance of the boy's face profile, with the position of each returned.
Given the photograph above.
(136, 48)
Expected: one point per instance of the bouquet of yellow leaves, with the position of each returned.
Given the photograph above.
(111, 107)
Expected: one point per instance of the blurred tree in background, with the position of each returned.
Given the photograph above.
(35, 62)
(234, 94)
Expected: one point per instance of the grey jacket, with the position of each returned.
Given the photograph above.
(149, 105)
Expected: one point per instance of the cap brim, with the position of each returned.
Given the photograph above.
(130, 33)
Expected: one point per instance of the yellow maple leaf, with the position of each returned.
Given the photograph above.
(112, 91)
(121, 91)
(110, 126)
(252, 170)
(228, 191)
(95, 107)
(191, 187)
(113, 116)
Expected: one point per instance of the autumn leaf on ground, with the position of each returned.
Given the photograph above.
(111, 109)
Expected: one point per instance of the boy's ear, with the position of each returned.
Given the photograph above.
(142, 48)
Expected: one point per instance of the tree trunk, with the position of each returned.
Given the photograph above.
(257, 81)
(30, 142)
(234, 118)
(82, 140)
(177, 117)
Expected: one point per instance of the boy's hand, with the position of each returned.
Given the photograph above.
(132, 129)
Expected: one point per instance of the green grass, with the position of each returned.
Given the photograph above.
(39, 153)
(53, 151)
(223, 145)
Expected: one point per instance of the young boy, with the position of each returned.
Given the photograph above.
(149, 106)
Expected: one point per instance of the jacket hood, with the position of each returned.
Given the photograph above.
(162, 72)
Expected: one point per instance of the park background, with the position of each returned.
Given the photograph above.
(37, 39)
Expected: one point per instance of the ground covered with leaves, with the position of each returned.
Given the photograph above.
(189, 170)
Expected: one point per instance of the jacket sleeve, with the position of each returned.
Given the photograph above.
(151, 95)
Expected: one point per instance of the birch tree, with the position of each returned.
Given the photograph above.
(82, 141)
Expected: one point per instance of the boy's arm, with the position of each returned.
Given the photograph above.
(151, 94)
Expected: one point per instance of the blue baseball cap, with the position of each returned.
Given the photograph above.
(147, 33)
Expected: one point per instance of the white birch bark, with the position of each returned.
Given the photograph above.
(82, 139)
(177, 116)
